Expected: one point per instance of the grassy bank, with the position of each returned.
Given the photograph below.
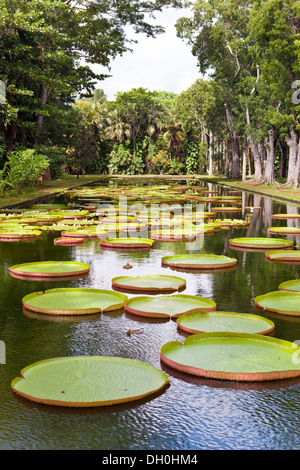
(43, 189)
(280, 192)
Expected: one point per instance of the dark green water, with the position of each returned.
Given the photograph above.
(191, 414)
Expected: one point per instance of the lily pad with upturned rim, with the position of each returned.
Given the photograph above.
(200, 322)
(283, 255)
(88, 381)
(72, 301)
(260, 243)
(149, 283)
(233, 356)
(284, 230)
(204, 261)
(50, 269)
(284, 302)
(127, 243)
(290, 286)
(167, 306)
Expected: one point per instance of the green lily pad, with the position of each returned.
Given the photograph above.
(226, 209)
(291, 286)
(69, 301)
(50, 269)
(284, 230)
(283, 255)
(88, 381)
(233, 356)
(285, 216)
(287, 303)
(149, 283)
(68, 241)
(167, 306)
(260, 243)
(127, 243)
(204, 261)
(207, 322)
(19, 234)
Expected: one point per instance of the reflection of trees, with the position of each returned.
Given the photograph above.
(290, 209)
(267, 211)
(256, 219)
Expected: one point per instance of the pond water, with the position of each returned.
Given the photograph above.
(192, 413)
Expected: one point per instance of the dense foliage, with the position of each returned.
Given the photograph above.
(241, 120)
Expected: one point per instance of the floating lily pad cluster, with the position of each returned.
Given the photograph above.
(221, 345)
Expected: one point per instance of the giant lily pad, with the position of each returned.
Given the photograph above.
(167, 306)
(19, 234)
(50, 269)
(233, 356)
(260, 243)
(284, 230)
(207, 322)
(88, 381)
(205, 261)
(226, 209)
(283, 255)
(287, 303)
(291, 286)
(71, 301)
(149, 283)
(285, 216)
(130, 243)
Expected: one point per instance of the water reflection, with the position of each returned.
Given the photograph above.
(192, 413)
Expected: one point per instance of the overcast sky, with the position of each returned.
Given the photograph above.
(164, 63)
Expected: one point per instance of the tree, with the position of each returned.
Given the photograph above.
(43, 47)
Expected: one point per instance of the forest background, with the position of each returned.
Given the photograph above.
(241, 120)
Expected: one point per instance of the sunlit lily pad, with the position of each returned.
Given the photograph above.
(226, 209)
(71, 301)
(291, 286)
(233, 356)
(19, 234)
(50, 268)
(149, 283)
(284, 230)
(285, 216)
(283, 255)
(207, 322)
(260, 243)
(68, 241)
(127, 243)
(287, 303)
(168, 306)
(88, 381)
(204, 261)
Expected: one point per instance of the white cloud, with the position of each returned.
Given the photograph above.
(165, 63)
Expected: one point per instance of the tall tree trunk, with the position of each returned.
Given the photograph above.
(283, 159)
(236, 170)
(11, 134)
(292, 142)
(210, 153)
(297, 169)
(40, 117)
(245, 151)
(257, 157)
(270, 165)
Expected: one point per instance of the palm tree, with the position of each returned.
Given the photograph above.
(117, 126)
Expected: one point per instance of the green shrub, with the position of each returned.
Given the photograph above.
(123, 162)
(22, 168)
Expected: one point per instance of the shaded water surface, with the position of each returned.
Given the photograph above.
(192, 413)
